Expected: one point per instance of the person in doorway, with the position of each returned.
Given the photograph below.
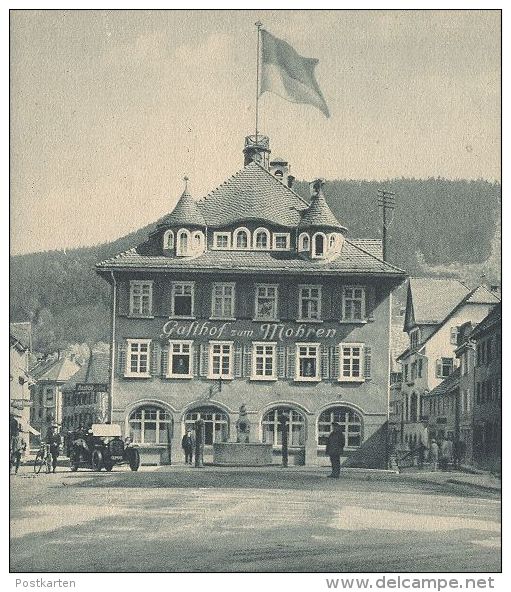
(433, 455)
(188, 444)
(54, 441)
(334, 449)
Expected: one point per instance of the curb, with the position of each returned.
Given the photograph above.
(488, 488)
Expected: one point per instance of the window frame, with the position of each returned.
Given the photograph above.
(140, 283)
(128, 373)
(256, 296)
(285, 235)
(180, 342)
(344, 318)
(173, 285)
(264, 344)
(301, 238)
(302, 287)
(157, 421)
(222, 234)
(317, 376)
(168, 245)
(235, 235)
(179, 251)
(211, 355)
(296, 417)
(257, 232)
(361, 358)
(314, 253)
(232, 316)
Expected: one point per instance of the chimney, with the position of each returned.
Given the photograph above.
(290, 181)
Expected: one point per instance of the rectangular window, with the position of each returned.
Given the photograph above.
(414, 337)
(264, 361)
(307, 362)
(353, 303)
(137, 360)
(222, 306)
(444, 367)
(281, 241)
(48, 396)
(222, 240)
(266, 302)
(309, 303)
(454, 335)
(413, 371)
(419, 368)
(141, 298)
(352, 362)
(220, 359)
(405, 368)
(180, 359)
(182, 299)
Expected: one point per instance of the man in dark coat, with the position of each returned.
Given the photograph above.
(54, 441)
(334, 449)
(188, 443)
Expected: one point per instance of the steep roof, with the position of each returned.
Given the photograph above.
(186, 211)
(430, 300)
(319, 215)
(55, 371)
(21, 333)
(253, 193)
(95, 371)
(452, 381)
(481, 295)
(490, 320)
(352, 259)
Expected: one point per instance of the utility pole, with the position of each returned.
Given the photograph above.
(386, 200)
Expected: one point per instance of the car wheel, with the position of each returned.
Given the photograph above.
(134, 459)
(108, 466)
(97, 460)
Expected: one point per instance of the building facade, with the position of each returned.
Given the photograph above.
(436, 310)
(19, 377)
(46, 393)
(487, 389)
(252, 296)
(85, 396)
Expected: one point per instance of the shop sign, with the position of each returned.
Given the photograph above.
(247, 331)
(91, 388)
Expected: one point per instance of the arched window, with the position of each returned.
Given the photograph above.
(350, 421)
(318, 244)
(216, 423)
(183, 242)
(331, 242)
(242, 238)
(272, 427)
(261, 239)
(168, 240)
(278, 173)
(198, 241)
(150, 425)
(304, 242)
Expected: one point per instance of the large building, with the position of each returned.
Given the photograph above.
(20, 338)
(436, 309)
(255, 296)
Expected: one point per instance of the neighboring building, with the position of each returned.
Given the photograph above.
(19, 378)
(436, 308)
(46, 393)
(398, 341)
(441, 409)
(487, 406)
(253, 296)
(85, 394)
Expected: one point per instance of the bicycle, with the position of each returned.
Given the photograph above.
(43, 459)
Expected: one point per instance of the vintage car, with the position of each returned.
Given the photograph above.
(101, 446)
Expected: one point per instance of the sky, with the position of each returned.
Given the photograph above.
(111, 109)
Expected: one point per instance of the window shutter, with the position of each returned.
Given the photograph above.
(203, 371)
(335, 354)
(123, 293)
(370, 302)
(121, 358)
(196, 360)
(291, 362)
(238, 360)
(165, 360)
(439, 368)
(155, 363)
(325, 366)
(367, 362)
(281, 361)
(247, 360)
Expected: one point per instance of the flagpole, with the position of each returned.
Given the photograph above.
(259, 24)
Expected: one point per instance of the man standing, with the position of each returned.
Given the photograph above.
(334, 449)
(54, 441)
(187, 443)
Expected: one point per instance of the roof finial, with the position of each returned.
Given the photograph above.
(186, 178)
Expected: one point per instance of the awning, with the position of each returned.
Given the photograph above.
(26, 427)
